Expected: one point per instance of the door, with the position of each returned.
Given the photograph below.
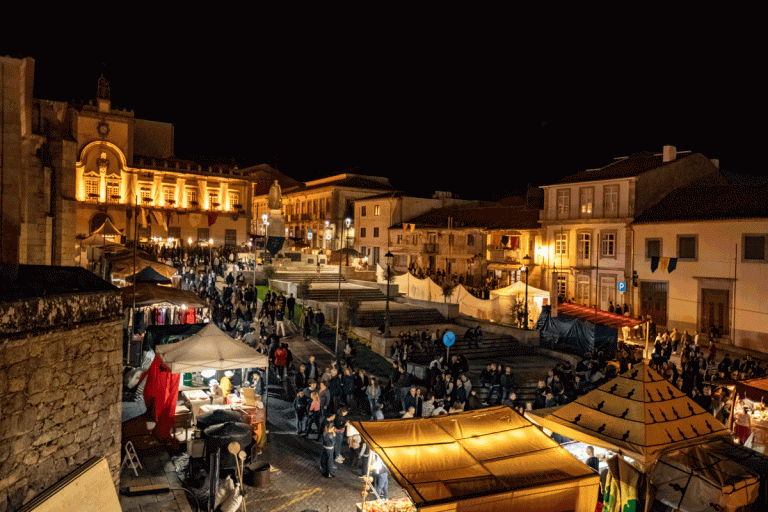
(714, 310)
(375, 256)
(607, 292)
(653, 301)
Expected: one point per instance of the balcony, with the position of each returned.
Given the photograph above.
(504, 255)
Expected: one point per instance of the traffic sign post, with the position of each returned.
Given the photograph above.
(448, 339)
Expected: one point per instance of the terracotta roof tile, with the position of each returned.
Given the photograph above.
(622, 168)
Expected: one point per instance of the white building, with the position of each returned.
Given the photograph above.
(587, 249)
(708, 245)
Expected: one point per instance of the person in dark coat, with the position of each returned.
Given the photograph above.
(326, 456)
(290, 304)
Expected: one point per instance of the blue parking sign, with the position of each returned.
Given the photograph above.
(622, 286)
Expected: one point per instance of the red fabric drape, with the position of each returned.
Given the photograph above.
(162, 390)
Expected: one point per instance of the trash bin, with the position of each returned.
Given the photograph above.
(259, 476)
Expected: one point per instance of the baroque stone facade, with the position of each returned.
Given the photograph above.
(60, 384)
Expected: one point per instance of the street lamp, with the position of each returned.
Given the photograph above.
(265, 220)
(210, 252)
(347, 221)
(389, 256)
(527, 267)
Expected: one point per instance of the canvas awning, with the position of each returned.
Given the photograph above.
(518, 289)
(638, 414)
(694, 478)
(149, 293)
(597, 316)
(484, 460)
(123, 266)
(211, 348)
(148, 275)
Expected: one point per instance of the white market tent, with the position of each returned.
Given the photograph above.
(488, 460)
(211, 348)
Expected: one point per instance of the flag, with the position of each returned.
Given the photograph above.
(663, 263)
(143, 218)
(405, 226)
(194, 219)
(672, 265)
(413, 227)
(654, 263)
(212, 218)
(160, 219)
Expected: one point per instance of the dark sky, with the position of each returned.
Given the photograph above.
(478, 113)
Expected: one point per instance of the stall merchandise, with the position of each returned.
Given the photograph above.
(484, 460)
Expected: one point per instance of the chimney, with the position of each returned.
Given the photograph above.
(669, 154)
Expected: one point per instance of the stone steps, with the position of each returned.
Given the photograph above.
(362, 294)
(401, 317)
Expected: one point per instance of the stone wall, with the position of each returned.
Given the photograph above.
(60, 390)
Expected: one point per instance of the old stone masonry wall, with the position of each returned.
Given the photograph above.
(59, 405)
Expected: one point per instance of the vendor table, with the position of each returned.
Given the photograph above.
(194, 399)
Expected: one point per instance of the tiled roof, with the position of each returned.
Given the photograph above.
(722, 195)
(484, 217)
(28, 281)
(623, 168)
(345, 180)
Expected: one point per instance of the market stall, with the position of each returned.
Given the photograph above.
(516, 293)
(638, 415)
(750, 394)
(484, 460)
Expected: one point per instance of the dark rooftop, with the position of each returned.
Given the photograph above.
(30, 281)
(345, 180)
(623, 167)
(721, 195)
(491, 216)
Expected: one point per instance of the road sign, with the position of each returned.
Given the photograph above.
(622, 286)
(448, 338)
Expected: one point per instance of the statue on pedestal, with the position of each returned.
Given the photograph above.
(275, 197)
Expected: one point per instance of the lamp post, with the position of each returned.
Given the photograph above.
(389, 256)
(347, 222)
(527, 262)
(210, 252)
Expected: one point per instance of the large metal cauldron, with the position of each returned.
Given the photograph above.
(219, 436)
(217, 417)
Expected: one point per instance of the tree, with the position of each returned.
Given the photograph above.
(352, 306)
(269, 272)
(447, 287)
(302, 289)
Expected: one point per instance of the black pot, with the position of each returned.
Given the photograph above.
(216, 417)
(220, 436)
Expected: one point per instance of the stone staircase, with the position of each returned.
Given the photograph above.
(401, 317)
(314, 277)
(332, 295)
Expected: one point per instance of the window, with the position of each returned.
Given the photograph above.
(169, 195)
(362, 232)
(113, 191)
(531, 245)
(92, 187)
(145, 194)
(375, 232)
(399, 239)
(450, 239)
(754, 247)
(585, 201)
(608, 245)
(213, 200)
(362, 250)
(230, 237)
(145, 234)
(471, 240)
(652, 248)
(582, 247)
(562, 285)
(234, 200)
(363, 211)
(563, 203)
(376, 210)
(192, 196)
(174, 232)
(203, 235)
(686, 247)
(611, 201)
(561, 244)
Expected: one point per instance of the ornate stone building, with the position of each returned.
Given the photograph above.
(66, 168)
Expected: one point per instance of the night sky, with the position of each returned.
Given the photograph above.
(474, 113)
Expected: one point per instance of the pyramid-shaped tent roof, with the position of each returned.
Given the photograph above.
(639, 414)
(148, 275)
(210, 348)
